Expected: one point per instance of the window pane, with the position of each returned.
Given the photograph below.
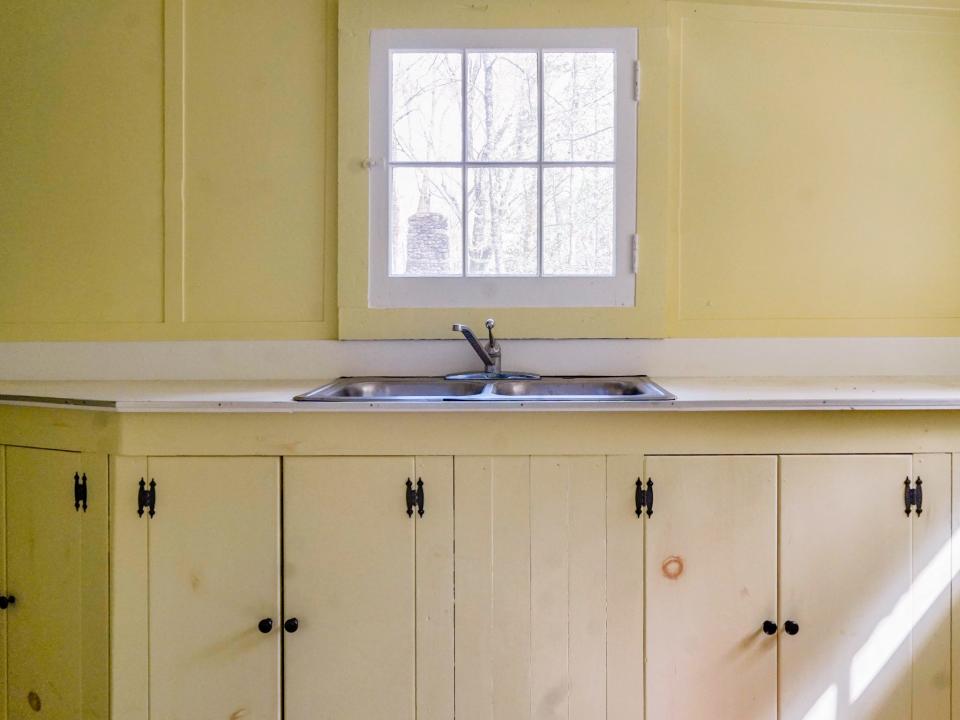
(426, 103)
(578, 106)
(502, 221)
(426, 235)
(502, 106)
(578, 221)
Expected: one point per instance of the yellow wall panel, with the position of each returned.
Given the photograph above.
(81, 147)
(819, 166)
(255, 172)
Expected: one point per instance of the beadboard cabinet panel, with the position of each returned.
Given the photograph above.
(539, 633)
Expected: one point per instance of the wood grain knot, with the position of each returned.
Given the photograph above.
(672, 567)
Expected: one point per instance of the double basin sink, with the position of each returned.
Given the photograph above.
(637, 388)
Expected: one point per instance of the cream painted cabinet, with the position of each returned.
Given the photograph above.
(368, 580)
(53, 574)
(549, 588)
(867, 585)
(711, 583)
(856, 589)
(196, 588)
(214, 548)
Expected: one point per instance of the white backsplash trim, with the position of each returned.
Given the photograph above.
(321, 359)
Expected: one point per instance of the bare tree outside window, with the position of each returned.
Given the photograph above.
(502, 163)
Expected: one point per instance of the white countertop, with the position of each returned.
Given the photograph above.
(696, 394)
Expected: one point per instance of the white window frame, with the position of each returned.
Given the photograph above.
(617, 290)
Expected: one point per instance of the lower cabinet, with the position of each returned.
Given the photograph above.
(849, 619)
(711, 583)
(529, 588)
(52, 581)
(368, 581)
(214, 569)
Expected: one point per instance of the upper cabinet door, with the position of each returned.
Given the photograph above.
(846, 582)
(349, 582)
(549, 615)
(44, 575)
(214, 548)
(711, 575)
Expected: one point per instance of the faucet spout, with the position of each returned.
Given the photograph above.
(490, 356)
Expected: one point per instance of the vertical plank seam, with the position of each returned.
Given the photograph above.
(149, 624)
(282, 589)
(606, 586)
(778, 574)
(569, 530)
(453, 572)
(530, 495)
(491, 509)
(416, 607)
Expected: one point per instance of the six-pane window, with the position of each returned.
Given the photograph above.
(504, 161)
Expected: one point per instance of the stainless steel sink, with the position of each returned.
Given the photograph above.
(401, 389)
(569, 387)
(434, 389)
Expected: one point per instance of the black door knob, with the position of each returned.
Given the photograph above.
(291, 625)
(6, 601)
(265, 625)
(769, 627)
(791, 628)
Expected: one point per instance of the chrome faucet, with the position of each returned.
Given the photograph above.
(490, 355)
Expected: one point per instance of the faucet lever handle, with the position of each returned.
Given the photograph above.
(490, 325)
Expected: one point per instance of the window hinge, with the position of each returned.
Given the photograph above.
(636, 81)
(147, 498)
(635, 254)
(912, 496)
(643, 498)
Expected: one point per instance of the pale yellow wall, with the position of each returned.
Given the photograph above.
(167, 169)
(171, 169)
(798, 168)
(816, 165)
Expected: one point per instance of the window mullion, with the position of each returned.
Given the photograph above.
(463, 160)
(540, 162)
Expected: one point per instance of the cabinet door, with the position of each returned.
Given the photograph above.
(711, 583)
(846, 577)
(538, 632)
(370, 587)
(44, 574)
(214, 548)
(3, 584)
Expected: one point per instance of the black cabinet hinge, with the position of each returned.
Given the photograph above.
(912, 496)
(147, 498)
(414, 497)
(80, 491)
(643, 498)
